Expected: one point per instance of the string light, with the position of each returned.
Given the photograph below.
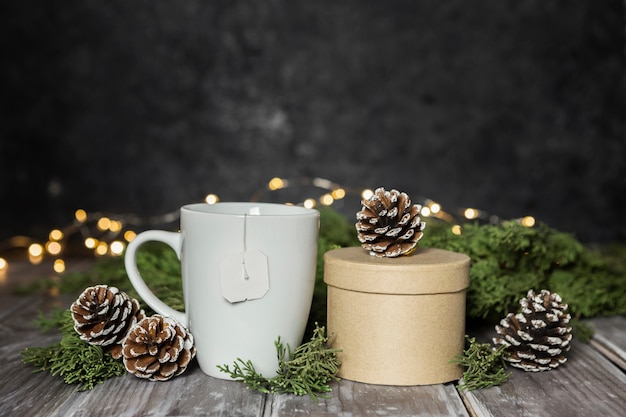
(59, 266)
(117, 248)
(211, 199)
(471, 214)
(107, 235)
(80, 215)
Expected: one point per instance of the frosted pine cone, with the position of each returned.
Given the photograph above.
(103, 315)
(388, 225)
(158, 348)
(538, 337)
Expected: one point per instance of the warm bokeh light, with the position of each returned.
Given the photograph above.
(35, 250)
(59, 266)
(327, 199)
(3, 264)
(117, 248)
(309, 203)
(470, 213)
(211, 199)
(101, 248)
(80, 215)
(367, 194)
(129, 235)
(435, 208)
(53, 248)
(276, 184)
(91, 242)
(456, 229)
(425, 211)
(103, 224)
(56, 235)
(528, 221)
(338, 193)
(115, 226)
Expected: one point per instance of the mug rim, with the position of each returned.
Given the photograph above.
(214, 209)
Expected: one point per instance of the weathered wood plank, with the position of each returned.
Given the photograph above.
(355, 399)
(587, 385)
(191, 394)
(610, 338)
(22, 392)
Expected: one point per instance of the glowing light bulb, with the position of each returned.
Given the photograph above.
(276, 184)
(59, 266)
(3, 264)
(117, 248)
(91, 242)
(35, 250)
(327, 199)
(425, 211)
(56, 235)
(528, 221)
(53, 248)
(435, 208)
(101, 248)
(338, 193)
(456, 229)
(80, 215)
(129, 235)
(309, 203)
(367, 194)
(115, 226)
(211, 199)
(470, 213)
(103, 224)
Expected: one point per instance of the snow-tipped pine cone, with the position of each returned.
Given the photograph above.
(103, 315)
(388, 225)
(537, 338)
(158, 348)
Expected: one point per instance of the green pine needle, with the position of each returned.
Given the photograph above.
(306, 370)
(72, 359)
(484, 366)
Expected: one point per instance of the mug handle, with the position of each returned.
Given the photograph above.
(173, 240)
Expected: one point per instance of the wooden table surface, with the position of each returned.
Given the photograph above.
(591, 383)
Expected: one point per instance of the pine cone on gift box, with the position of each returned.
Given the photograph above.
(103, 315)
(388, 225)
(158, 348)
(537, 338)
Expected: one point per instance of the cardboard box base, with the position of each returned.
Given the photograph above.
(396, 339)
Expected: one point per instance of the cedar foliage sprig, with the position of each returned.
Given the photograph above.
(306, 370)
(484, 366)
(72, 359)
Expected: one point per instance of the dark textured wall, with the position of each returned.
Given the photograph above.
(516, 107)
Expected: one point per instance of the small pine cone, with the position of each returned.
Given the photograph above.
(537, 338)
(388, 225)
(103, 315)
(158, 348)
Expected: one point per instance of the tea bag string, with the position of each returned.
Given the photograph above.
(243, 254)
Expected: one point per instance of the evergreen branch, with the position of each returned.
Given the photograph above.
(307, 370)
(484, 366)
(72, 359)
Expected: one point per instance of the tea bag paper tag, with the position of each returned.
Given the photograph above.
(244, 276)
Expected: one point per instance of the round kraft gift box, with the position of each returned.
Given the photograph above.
(397, 321)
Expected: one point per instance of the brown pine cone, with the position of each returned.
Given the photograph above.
(158, 348)
(537, 338)
(388, 225)
(103, 315)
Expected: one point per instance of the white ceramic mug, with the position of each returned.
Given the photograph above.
(248, 272)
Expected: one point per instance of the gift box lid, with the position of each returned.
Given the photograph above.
(426, 271)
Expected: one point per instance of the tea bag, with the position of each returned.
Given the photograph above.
(244, 276)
